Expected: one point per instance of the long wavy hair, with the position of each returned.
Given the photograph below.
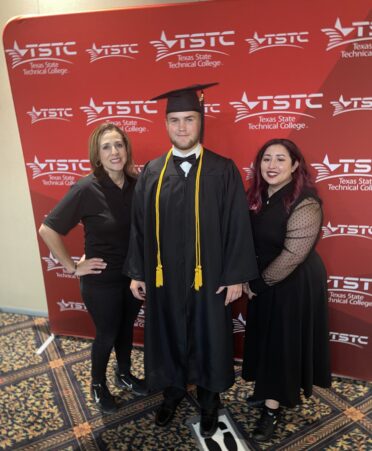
(94, 145)
(301, 177)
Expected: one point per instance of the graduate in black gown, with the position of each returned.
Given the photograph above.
(286, 341)
(190, 250)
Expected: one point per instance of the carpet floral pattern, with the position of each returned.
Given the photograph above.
(45, 404)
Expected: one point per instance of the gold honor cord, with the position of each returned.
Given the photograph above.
(198, 281)
(159, 267)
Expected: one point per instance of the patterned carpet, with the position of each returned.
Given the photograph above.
(45, 404)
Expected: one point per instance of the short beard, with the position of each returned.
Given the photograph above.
(190, 145)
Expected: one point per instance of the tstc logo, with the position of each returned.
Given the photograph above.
(270, 40)
(65, 306)
(53, 264)
(130, 109)
(339, 35)
(213, 42)
(112, 51)
(239, 324)
(359, 231)
(353, 104)
(47, 51)
(359, 341)
(344, 167)
(279, 104)
(44, 114)
(358, 285)
(211, 109)
(59, 166)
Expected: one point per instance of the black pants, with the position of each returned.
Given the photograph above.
(113, 310)
(207, 399)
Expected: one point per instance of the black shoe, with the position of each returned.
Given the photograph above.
(266, 425)
(132, 383)
(103, 398)
(253, 402)
(164, 415)
(208, 422)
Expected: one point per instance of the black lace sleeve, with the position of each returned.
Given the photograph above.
(302, 231)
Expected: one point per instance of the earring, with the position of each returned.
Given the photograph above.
(98, 164)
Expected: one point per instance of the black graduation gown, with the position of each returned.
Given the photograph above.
(188, 334)
(286, 341)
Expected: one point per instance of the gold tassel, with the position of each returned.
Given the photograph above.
(198, 281)
(159, 276)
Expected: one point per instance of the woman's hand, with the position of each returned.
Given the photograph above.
(89, 266)
(247, 290)
(233, 292)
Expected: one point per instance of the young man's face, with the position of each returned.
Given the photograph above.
(183, 129)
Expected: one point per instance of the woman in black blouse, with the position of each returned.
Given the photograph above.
(102, 202)
(286, 341)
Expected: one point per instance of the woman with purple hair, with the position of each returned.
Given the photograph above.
(286, 341)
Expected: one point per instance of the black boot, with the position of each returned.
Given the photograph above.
(103, 398)
(266, 424)
(208, 422)
(132, 383)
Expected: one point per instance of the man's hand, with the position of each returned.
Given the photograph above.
(233, 293)
(138, 289)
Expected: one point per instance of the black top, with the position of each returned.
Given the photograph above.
(104, 209)
(283, 239)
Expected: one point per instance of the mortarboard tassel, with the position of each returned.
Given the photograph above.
(159, 276)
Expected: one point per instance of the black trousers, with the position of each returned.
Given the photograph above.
(113, 310)
(207, 399)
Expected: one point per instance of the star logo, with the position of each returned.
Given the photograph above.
(331, 166)
(243, 108)
(168, 42)
(340, 105)
(163, 46)
(16, 54)
(92, 111)
(343, 30)
(338, 34)
(36, 167)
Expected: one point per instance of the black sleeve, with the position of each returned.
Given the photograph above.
(239, 256)
(134, 264)
(301, 235)
(67, 213)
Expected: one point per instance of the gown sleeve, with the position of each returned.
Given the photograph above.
(239, 255)
(301, 235)
(134, 263)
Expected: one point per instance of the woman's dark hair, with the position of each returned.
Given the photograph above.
(301, 177)
(94, 143)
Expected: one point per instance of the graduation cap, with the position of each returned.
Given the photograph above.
(185, 99)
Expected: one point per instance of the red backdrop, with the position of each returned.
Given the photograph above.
(284, 71)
